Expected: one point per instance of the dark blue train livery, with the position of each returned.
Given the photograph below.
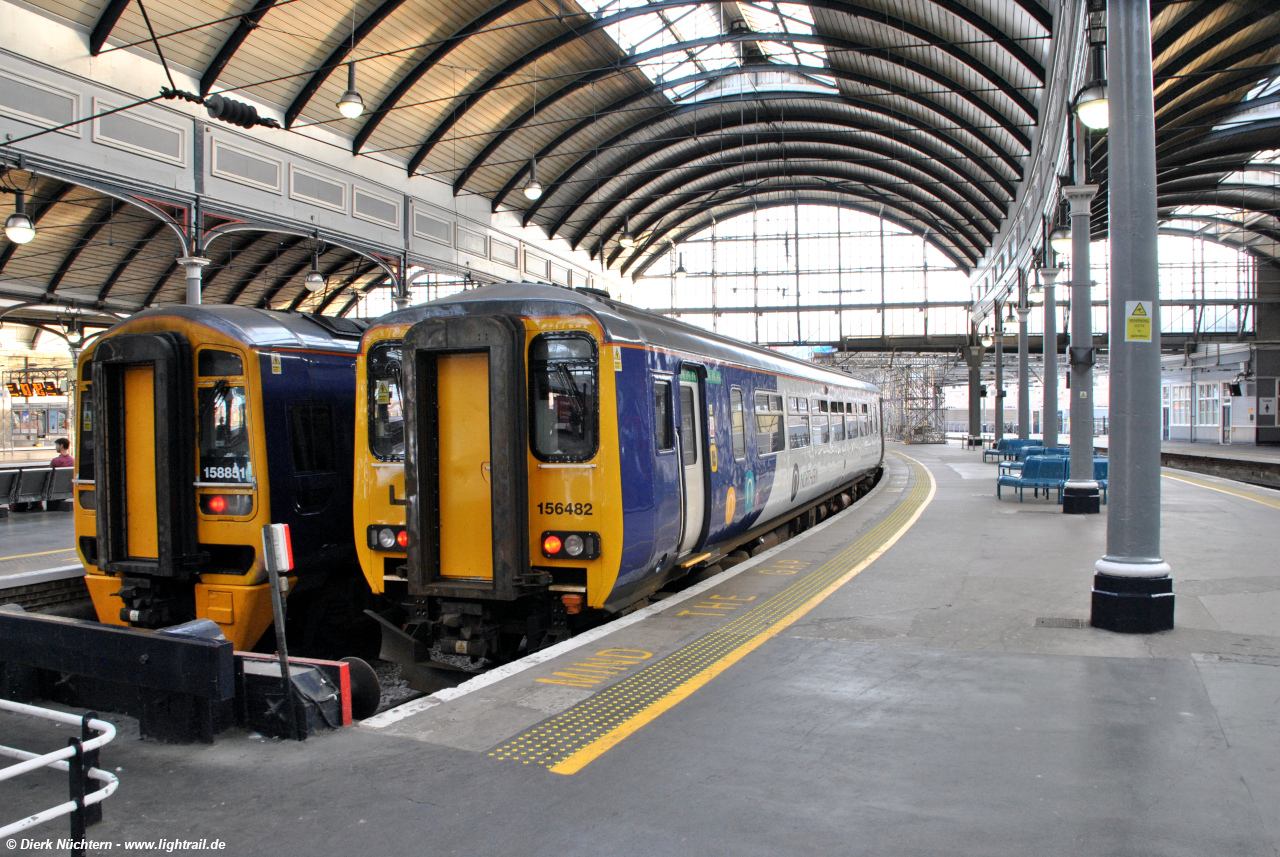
(197, 425)
(566, 456)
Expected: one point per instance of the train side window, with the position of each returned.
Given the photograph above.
(663, 432)
(821, 429)
(737, 424)
(865, 420)
(563, 402)
(224, 434)
(851, 421)
(386, 408)
(798, 424)
(770, 437)
(837, 422)
(84, 461)
(212, 362)
(311, 427)
(688, 438)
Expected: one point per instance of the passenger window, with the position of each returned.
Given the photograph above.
(562, 397)
(688, 439)
(386, 407)
(211, 363)
(84, 461)
(224, 434)
(664, 435)
(311, 427)
(798, 424)
(769, 434)
(821, 430)
(737, 424)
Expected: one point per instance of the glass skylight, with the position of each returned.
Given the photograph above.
(670, 26)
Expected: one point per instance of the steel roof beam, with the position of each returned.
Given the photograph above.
(872, 208)
(86, 238)
(336, 59)
(621, 136)
(657, 172)
(680, 109)
(118, 271)
(946, 83)
(248, 23)
(243, 283)
(164, 278)
(360, 271)
(105, 24)
(734, 176)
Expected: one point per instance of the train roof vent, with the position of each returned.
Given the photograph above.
(598, 293)
(344, 328)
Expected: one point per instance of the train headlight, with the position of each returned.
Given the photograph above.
(573, 545)
(386, 538)
(88, 500)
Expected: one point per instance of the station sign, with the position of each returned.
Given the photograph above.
(27, 389)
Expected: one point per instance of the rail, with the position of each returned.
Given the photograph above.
(79, 759)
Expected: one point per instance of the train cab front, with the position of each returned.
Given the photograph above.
(507, 523)
(168, 502)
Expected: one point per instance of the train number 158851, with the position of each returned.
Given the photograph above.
(583, 509)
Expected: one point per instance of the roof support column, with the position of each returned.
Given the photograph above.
(973, 356)
(998, 343)
(1132, 590)
(1024, 362)
(1049, 414)
(193, 266)
(1080, 495)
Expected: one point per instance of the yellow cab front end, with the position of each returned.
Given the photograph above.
(171, 494)
(512, 502)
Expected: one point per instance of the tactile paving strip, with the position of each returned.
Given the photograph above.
(37, 562)
(554, 742)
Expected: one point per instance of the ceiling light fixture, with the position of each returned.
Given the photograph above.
(1060, 240)
(680, 273)
(627, 239)
(351, 105)
(533, 190)
(314, 280)
(18, 227)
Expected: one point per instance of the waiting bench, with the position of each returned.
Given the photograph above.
(1007, 448)
(35, 484)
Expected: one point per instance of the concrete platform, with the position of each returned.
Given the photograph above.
(882, 685)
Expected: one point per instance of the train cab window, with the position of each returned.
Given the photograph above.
(563, 404)
(737, 424)
(386, 407)
(770, 437)
(84, 461)
(664, 434)
(837, 422)
(224, 434)
(798, 424)
(821, 429)
(212, 362)
(688, 437)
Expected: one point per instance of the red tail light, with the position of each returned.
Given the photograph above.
(217, 505)
(402, 538)
(551, 545)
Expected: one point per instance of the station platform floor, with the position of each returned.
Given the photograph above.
(914, 676)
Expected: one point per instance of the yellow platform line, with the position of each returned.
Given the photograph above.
(1235, 492)
(573, 739)
(41, 553)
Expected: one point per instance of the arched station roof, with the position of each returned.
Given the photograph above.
(654, 117)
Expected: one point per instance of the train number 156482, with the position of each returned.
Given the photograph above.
(583, 509)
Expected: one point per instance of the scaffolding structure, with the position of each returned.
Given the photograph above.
(911, 387)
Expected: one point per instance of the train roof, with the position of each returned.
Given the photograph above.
(622, 323)
(265, 328)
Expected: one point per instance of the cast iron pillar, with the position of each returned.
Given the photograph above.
(998, 345)
(1081, 494)
(1049, 416)
(1024, 375)
(1133, 590)
(193, 266)
(973, 356)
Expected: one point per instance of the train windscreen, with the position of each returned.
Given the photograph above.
(562, 397)
(386, 407)
(224, 434)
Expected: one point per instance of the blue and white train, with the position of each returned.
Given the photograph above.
(566, 456)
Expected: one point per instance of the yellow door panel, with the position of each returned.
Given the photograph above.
(466, 513)
(140, 462)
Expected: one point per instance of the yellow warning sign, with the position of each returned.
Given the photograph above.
(1137, 321)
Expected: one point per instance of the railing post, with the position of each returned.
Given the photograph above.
(75, 779)
(92, 759)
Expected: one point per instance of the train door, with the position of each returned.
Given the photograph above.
(1226, 422)
(692, 451)
(144, 398)
(466, 519)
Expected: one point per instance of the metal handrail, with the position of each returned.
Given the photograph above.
(58, 759)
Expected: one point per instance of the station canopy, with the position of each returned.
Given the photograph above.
(645, 120)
